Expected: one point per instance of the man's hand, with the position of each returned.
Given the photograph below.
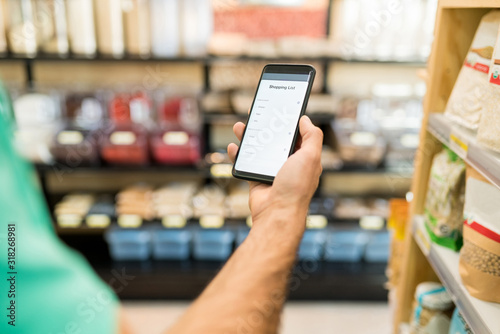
(296, 181)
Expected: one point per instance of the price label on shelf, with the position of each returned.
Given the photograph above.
(98, 221)
(174, 221)
(129, 221)
(459, 145)
(211, 221)
(221, 170)
(316, 221)
(423, 239)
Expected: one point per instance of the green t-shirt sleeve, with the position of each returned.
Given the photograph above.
(46, 287)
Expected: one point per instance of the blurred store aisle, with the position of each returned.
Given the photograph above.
(299, 317)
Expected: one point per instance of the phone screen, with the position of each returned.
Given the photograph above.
(272, 123)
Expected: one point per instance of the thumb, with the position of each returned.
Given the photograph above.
(311, 135)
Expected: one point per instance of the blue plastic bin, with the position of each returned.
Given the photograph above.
(312, 245)
(171, 244)
(213, 244)
(129, 244)
(345, 246)
(241, 235)
(378, 247)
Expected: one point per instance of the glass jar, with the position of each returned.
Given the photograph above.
(165, 34)
(3, 38)
(137, 28)
(125, 141)
(51, 26)
(197, 26)
(76, 143)
(109, 19)
(21, 27)
(81, 28)
(177, 139)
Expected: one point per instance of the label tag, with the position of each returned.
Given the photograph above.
(211, 221)
(316, 221)
(69, 220)
(221, 170)
(129, 221)
(173, 221)
(371, 222)
(98, 221)
(249, 221)
(458, 145)
(175, 138)
(122, 138)
(69, 137)
(423, 239)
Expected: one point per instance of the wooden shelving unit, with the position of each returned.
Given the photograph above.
(456, 23)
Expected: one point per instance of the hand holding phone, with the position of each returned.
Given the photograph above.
(289, 196)
(272, 126)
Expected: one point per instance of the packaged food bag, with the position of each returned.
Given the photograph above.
(488, 132)
(458, 324)
(479, 264)
(432, 309)
(466, 102)
(445, 200)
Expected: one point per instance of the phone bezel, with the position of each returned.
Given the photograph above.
(277, 68)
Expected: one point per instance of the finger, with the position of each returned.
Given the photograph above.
(238, 129)
(232, 149)
(311, 136)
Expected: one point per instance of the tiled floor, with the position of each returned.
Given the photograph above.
(298, 318)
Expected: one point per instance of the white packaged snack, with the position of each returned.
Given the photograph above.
(466, 101)
(488, 132)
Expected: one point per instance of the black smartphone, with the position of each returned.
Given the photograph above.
(273, 122)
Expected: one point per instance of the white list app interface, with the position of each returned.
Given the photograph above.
(272, 123)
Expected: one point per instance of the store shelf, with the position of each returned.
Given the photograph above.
(186, 280)
(205, 59)
(463, 142)
(481, 316)
(210, 118)
(59, 168)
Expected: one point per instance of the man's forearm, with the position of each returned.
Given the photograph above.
(247, 295)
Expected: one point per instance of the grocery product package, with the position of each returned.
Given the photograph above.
(479, 264)
(488, 132)
(466, 102)
(432, 309)
(458, 324)
(445, 199)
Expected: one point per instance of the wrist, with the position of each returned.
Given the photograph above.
(281, 224)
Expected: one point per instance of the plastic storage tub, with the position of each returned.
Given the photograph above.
(213, 244)
(129, 244)
(241, 235)
(345, 246)
(312, 245)
(171, 244)
(378, 247)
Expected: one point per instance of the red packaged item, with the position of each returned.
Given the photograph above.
(261, 22)
(125, 142)
(177, 141)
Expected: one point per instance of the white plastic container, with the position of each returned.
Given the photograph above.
(109, 19)
(165, 28)
(21, 30)
(52, 32)
(137, 27)
(197, 26)
(81, 28)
